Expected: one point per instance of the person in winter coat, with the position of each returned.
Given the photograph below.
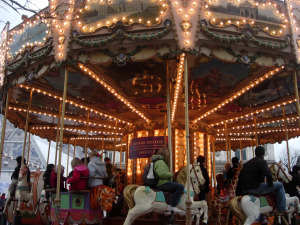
(47, 176)
(2, 202)
(15, 176)
(205, 187)
(109, 171)
(235, 165)
(292, 188)
(97, 170)
(79, 180)
(162, 171)
(253, 176)
(53, 178)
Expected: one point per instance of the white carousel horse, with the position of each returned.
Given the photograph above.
(23, 193)
(29, 215)
(142, 199)
(248, 207)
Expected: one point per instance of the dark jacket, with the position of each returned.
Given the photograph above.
(206, 177)
(15, 174)
(254, 173)
(47, 179)
(231, 172)
(291, 187)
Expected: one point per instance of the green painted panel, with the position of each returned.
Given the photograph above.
(78, 202)
(65, 199)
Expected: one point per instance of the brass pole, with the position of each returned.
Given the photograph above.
(26, 125)
(3, 128)
(229, 150)
(49, 145)
(115, 140)
(286, 137)
(102, 149)
(241, 151)
(165, 129)
(87, 137)
(226, 141)
(57, 199)
(255, 127)
(252, 148)
(188, 201)
(28, 148)
(68, 157)
(214, 160)
(57, 132)
(168, 90)
(121, 152)
(74, 149)
(297, 94)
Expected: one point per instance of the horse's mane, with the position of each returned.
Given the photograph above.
(273, 172)
(182, 176)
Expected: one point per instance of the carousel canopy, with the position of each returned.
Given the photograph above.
(124, 58)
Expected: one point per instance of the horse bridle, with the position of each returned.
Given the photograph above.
(196, 175)
(280, 168)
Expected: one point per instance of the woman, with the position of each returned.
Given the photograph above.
(161, 169)
(53, 179)
(80, 174)
(47, 176)
(97, 170)
(205, 187)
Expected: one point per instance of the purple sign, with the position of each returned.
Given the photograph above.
(145, 146)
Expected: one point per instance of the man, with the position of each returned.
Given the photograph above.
(292, 188)
(253, 176)
(205, 187)
(162, 171)
(233, 169)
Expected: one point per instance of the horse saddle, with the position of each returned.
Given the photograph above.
(265, 200)
(161, 196)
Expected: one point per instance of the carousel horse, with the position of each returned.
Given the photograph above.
(248, 207)
(142, 199)
(221, 202)
(23, 193)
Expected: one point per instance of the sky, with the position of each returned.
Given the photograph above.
(7, 14)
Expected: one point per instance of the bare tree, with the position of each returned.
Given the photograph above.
(17, 5)
(294, 157)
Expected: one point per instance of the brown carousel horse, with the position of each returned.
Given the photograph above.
(221, 202)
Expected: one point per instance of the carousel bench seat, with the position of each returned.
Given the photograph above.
(79, 191)
(52, 190)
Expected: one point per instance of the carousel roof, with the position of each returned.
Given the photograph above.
(121, 56)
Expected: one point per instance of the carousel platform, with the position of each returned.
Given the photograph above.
(155, 220)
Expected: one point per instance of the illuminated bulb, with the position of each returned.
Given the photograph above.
(180, 10)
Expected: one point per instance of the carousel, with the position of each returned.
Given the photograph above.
(133, 76)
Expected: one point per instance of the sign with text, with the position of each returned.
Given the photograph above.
(145, 146)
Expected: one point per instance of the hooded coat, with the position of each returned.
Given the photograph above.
(75, 181)
(292, 187)
(161, 170)
(97, 170)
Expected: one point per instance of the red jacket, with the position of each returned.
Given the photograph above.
(75, 181)
(53, 180)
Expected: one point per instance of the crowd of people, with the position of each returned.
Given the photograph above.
(82, 177)
(85, 174)
(94, 172)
